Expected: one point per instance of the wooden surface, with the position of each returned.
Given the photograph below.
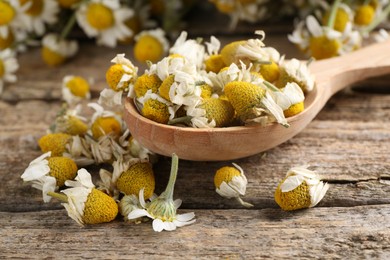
(348, 143)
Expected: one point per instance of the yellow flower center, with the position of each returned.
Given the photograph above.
(364, 15)
(8, 41)
(71, 125)
(220, 110)
(7, 13)
(244, 96)
(294, 109)
(166, 86)
(214, 63)
(62, 168)
(207, 91)
(228, 52)
(104, 126)
(99, 16)
(146, 82)
(138, 176)
(99, 208)
(148, 48)
(270, 72)
(299, 198)
(323, 48)
(67, 3)
(2, 69)
(52, 58)
(35, 8)
(225, 174)
(114, 75)
(341, 19)
(56, 143)
(78, 86)
(156, 111)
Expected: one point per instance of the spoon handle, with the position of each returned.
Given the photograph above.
(340, 72)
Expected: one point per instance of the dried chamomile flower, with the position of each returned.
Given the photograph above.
(364, 15)
(68, 121)
(146, 82)
(75, 89)
(129, 203)
(138, 151)
(151, 45)
(122, 75)
(253, 103)
(219, 110)
(84, 203)
(343, 15)
(301, 188)
(8, 66)
(105, 20)
(48, 173)
(295, 71)
(139, 175)
(39, 14)
(229, 52)
(155, 108)
(230, 182)
(163, 208)
(56, 143)
(104, 122)
(290, 98)
(55, 51)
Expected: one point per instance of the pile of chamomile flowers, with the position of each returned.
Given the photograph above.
(94, 133)
(199, 84)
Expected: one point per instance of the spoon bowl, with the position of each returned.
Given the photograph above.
(229, 143)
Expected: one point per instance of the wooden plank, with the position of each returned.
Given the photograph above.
(355, 233)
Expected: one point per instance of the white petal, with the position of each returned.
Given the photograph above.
(313, 26)
(291, 183)
(158, 225)
(137, 213)
(185, 217)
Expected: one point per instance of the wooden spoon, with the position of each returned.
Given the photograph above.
(219, 144)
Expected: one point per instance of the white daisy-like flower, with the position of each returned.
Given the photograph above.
(85, 204)
(37, 173)
(151, 45)
(75, 89)
(12, 12)
(290, 95)
(56, 50)
(163, 208)
(104, 19)
(301, 188)
(230, 182)
(190, 49)
(296, 71)
(40, 13)
(8, 66)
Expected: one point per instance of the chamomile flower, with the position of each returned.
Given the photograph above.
(129, 203)
(230, 182)
(104, 122)
(343, 15)
(295, 71)
(56, 143)
(12, 12)
(364, 15)
(151, 45)
(8, 66)
(155, 107)
(301, 188)
(120, 78)
(85, 204)
(146, 82)
(213, 60)
(39, 14)
(56, 51)
(253, 103)
(290, 98)
(163, 208)
(70, 122)
(75, 89)
(104, 19)
(48, 173)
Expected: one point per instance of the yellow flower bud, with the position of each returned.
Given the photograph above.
(99, 208)
(146, 82)
(56, 143)
(62, 168)
(156, 111)
(219, 110)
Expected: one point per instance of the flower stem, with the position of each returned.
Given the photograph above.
(243, 203)
(333, 13)
(61, 197)
(68, 27)
(172, 177)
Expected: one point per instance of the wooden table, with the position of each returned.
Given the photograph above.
(348, 143)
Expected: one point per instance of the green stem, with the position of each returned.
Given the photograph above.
(61, 197)
(172, 177)
(377, 21)
(68, 27)
(271, 86)
(179, 120)
(333, 13)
